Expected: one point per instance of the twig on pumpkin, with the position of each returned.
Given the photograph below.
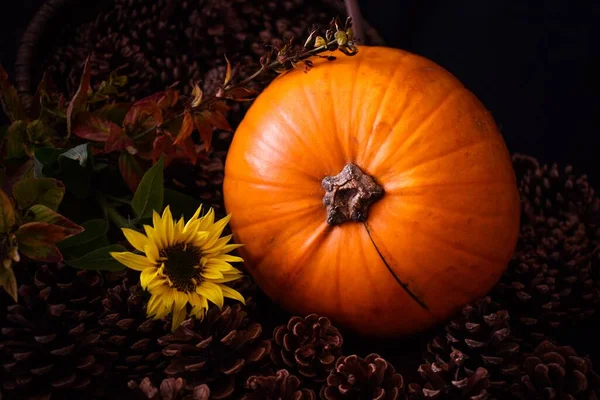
(282, 60)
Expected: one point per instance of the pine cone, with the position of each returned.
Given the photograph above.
(129, 336)
(553, 280)
(223, 348)
(444, 383)
(477, 339)
(281, 386)
(554, 372)
(169, 389)
(48, 340)
(369, 378)
(548, 192)
(308, 345)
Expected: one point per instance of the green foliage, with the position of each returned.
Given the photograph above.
(45, 191)
(149, 195)
(99, 259)
(92, 159)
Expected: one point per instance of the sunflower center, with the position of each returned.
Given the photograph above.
(182, 266)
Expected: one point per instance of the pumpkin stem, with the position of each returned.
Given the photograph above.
(349, 194)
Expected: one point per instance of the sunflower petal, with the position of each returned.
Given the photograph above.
(207, 220)
(167, 226)
(158, 233)
(147, 276)
(200, 238)
(217, 245)
(194, 217)
(229, 258)
(218, 227)
(137, 240)
(232, 294)
(178, 318)
(133, 261)
(212, 292)
(228, 278)
(154, 305)
(227, 248)
(181, 299)
(152, 252)
(220, 265)
(210, 273)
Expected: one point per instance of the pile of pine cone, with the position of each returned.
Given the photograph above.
(81, 334)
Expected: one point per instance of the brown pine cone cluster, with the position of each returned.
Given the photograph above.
(129, 337)
(356, 378)
(280, 386)
(553, 281)
(443, 383)
(220, 351)
(475, 355)
(557, 372)
(309, 346)
(48, 340)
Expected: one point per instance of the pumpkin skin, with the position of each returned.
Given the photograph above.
(439, 237)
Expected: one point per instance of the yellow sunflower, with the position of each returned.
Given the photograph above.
(183, 263)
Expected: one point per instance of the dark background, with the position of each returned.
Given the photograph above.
(534, 64)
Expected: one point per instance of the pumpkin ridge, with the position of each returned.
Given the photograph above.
(412, 135)
(402, 284)
(437, 157)
(458, 249)
(377, 120)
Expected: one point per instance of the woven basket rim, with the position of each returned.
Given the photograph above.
(48, 14)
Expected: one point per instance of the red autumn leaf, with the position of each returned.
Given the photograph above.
(187, 127)
(79, 101)
(10, 99)
(37, 240)
(92, 127)
(169, 99)
(131, 170)
(40, 213)
(189, 150)
(8, 214)
(240, 94)
(117, 140)
(163, 146)
(217, 119)
(144, 112)
(205, 129)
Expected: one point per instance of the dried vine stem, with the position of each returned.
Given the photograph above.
(279, 60)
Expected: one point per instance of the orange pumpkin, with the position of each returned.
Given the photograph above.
(375, 190)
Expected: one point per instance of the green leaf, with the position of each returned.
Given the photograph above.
(37, 240)
(181, 204)
(8, 281)
(131, 170)
(92, 238)
(93, 229)
(99, 260)
(8, 215)
(40, 133)
(114, 112)
(78, 153)
(149, 195)
(45, 191)
(78, 102)
(14, 142)
(45, 161)
(40, 213)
